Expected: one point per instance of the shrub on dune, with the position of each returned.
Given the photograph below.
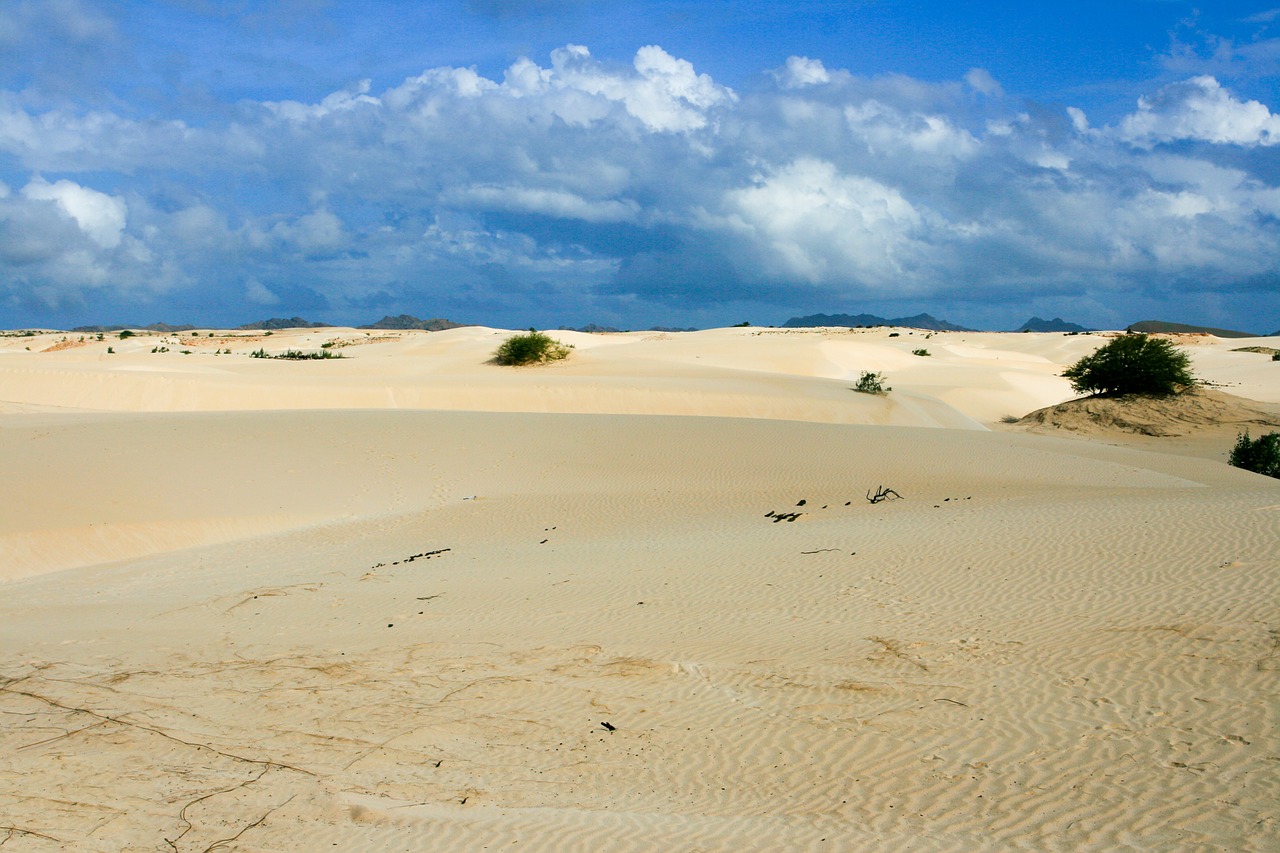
(871, 383)
(1260, 455)
(532, 347)
(1132, 364)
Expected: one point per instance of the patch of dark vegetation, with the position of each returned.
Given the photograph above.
(298, 355)
(1260, 455)
(1132, 364)
(532, 347)
(871, 383)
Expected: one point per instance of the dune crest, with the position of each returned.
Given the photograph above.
(1192, 411)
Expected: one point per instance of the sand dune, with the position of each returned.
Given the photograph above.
(371, 604)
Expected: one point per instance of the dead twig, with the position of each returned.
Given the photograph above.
(882, 494)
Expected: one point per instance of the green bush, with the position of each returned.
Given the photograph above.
(922, 352)
(1275, 356)
(871, 383)
(125, 333)
(1260, 455)
(1132, 364)
(532, 347)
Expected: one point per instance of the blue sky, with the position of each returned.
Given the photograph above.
(548, 162)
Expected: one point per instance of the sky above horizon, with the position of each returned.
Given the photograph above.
(522, 163)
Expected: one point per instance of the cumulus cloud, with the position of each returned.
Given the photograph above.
(1200, 109)
(810, 222)
(801, 71)
(100, 216)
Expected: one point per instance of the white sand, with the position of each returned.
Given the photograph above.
(211, 637)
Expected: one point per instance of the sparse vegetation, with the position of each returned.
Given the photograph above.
(532, 347)
(921, 352)
(125, 333)
(111, 350)
(1132, 364)
(1260, 455)
(871, 383)
(296, 355)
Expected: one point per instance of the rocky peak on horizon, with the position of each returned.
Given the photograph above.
(918, 321)
(1057, 324)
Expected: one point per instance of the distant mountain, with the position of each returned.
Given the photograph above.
(590, 328)
(671, 329)
(278, 323)
(408, 321)
(1156, 326)
(919, 321)
(163, 328)
(1057, 324)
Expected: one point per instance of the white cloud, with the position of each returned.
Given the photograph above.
(337, 102)
(259, 294)
(1199, 109)
(801, 71)
(317, 232)
(982, 81)
(100, 216)
(549, 202)
(666, 94)
(887, 130)
(812, 222)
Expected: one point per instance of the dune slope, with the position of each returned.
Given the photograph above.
(1044, 643)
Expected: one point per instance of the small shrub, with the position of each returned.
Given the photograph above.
(326, 345)
(743, 325)
(532, 347)
(921, 352)
(871, 383)
(1275, 356)
(1132, 364)
(1260, 455)
(893, 334)
(111, 350)
(259, 353)
(125, 333)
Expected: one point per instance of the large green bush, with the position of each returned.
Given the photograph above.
(1132, 364)
(532, 347)
(1260, 455)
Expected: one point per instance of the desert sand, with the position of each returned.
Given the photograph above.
(408, 600)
